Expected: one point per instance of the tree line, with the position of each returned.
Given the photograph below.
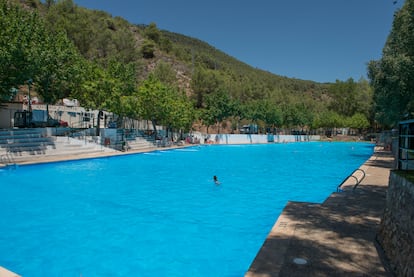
(142, 72)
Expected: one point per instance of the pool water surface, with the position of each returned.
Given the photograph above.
(160, 213)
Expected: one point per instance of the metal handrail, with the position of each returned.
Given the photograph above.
(7, 160)
(363, 176)
(358, 181)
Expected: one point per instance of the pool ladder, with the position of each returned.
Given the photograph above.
(6, 159)
(358, 181)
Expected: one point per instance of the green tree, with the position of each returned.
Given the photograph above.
(272, 115)
(112, 89)
(148, 49)
(330, 119)
(166, 45)
(49, 3)
(297, 115)
(30, 51)
(344, 96)
(365, 99)
(218, 107)
(358, 121)
(165, 73)
(20, 30)
(207, 117)
(101, 91)
(125, 73)
(203, 82)
(263, 111)
(96, 34)
(152, 33)
(164, 105)
(58, 67)
(182, 113)
(392, 76)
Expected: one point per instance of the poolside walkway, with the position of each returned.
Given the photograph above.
(336, 238)
(7, 273)
(39, 159)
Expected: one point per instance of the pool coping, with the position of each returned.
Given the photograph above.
(7, 273)
(43, 159)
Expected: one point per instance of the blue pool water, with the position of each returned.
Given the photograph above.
(159, 213)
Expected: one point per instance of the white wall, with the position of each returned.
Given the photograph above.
(7, 114)
(251, 138)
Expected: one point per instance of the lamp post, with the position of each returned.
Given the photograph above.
(29, 83)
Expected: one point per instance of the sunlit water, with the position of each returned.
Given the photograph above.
(160, 213)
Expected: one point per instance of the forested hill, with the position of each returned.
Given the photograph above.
(100, 36)
(203, 54)
(108, 58)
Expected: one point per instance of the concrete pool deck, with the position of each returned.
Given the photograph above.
(39, 159)
(335, 238)
(7, 273)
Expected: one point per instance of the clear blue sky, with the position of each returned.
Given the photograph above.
(319, 40)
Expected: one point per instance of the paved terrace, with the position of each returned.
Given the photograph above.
(39, 159)
(336, 238)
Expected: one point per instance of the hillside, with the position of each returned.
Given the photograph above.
(117, 57)
(99, 36)
(209, 57)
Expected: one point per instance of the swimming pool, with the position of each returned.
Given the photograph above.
(160, 213)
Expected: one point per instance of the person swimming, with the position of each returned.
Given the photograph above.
(216, 181)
